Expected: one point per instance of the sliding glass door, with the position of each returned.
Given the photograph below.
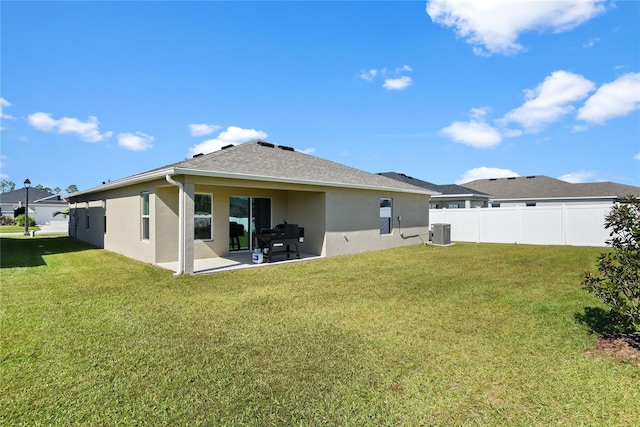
(247, 216)
(238, 223)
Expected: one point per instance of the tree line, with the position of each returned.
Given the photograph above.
(6, 186)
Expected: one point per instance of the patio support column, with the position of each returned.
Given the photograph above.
(189, 193)
(180, 223)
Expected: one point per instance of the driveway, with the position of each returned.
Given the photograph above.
(54, 227)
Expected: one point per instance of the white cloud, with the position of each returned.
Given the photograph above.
(397, 84)
(3, 104)
(479, 113)
(637, 156)
(309, 150)
(369, 75)
(546, 104)
(485, 173)
(591, 42)
(233, 135)
(135, 141)
(549, 101)
(394, 80)
(580, 128)
(615, 99)
(42, 121)
(477, 134)
(578, 177)
(511, 132)
(200, 129)
(87, 131)
(493, 26)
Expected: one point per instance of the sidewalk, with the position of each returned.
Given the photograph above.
(53, 227)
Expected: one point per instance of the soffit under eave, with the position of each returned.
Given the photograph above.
(279, 180)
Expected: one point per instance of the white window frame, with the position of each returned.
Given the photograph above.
(145, 218)
(386, 214)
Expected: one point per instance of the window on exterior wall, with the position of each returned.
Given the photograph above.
(385, 215)
(86, 210)
(203, 217)
(104, 216)
(145, 215)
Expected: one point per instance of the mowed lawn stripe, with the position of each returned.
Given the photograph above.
(474, 334)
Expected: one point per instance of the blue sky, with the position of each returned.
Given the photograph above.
(445, 91)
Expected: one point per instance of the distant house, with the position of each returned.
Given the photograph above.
(213, 204)
(449, 196)
(540, 190)
(42, 204)
(529, 210)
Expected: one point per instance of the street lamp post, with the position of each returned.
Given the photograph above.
(27, 184)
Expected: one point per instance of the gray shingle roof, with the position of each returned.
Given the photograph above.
(609, 188)
(544, 187)
(268, 162)
(447, 189)
(19, 195)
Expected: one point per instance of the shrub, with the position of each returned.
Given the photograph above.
(7, 220)
(618, 281)
(20, 221)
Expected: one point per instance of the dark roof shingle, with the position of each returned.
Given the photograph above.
(19, 195)
(544, 187)
(447, 189)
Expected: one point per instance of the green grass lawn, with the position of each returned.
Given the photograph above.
(15, 228)
(472, 334)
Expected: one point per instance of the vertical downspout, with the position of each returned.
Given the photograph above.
(180, 224)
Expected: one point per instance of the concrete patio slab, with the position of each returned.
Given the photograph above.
(235, 261)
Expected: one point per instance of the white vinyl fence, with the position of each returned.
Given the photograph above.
(575, 225)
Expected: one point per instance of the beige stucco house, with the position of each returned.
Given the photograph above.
(184, 211)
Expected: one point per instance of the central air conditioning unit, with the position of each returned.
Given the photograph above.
(441, 234)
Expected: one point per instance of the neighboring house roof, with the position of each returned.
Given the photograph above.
(544, 187)
(444, 190)
(52, 199)
(262, 161)
(36, 195)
